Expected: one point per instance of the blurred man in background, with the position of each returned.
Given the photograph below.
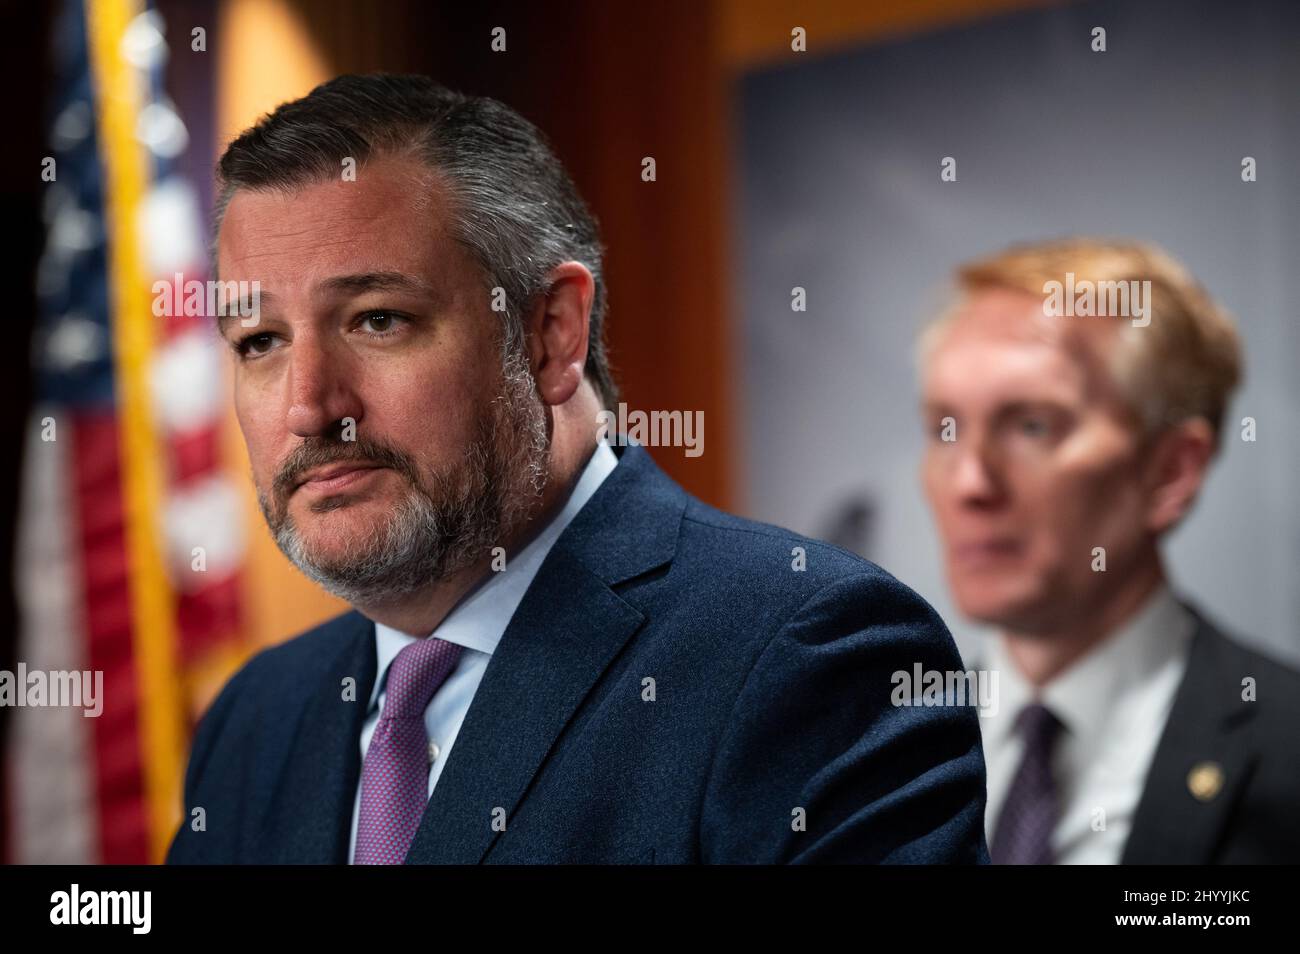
(1075, 397)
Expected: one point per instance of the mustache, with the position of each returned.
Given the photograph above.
(322, 452)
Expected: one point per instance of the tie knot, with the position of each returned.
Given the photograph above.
(415, 675)
(1039, 725)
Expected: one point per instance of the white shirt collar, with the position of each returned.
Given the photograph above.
(1090, 689)
(479, 621)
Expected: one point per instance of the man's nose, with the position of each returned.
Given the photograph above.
(976, 479)
(321, 393)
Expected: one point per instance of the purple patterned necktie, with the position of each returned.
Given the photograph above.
(395, 776)
(1024, 831)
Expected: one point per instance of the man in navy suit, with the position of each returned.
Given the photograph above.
(556, 654)
(1130, 728)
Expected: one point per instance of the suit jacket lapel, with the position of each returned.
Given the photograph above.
(552, 653)
(568, 628)
(311, 821)
(1203, 746)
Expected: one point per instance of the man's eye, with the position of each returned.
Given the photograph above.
(254, 344)
(1034, 427)
(379, 323)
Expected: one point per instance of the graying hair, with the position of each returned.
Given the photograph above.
(448, 520)
(519, 213)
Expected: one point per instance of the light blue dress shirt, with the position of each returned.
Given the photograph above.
(477, 624)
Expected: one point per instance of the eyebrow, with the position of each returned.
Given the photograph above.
(357, 284)
(1003, 409)
(1051, 406)
(374, 281)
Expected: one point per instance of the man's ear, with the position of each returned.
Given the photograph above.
(1177, 467)
(557, 332)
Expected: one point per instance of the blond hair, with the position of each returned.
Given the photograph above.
(1184, 364)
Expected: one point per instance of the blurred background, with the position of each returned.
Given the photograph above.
(133, 540)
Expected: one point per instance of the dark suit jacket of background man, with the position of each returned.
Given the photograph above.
(1254, 745)
(771, 694)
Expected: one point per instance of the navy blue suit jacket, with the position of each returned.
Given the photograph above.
(770, 738)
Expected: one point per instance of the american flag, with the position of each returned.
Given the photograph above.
(131, 538)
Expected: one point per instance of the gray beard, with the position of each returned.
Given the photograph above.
(447, 521)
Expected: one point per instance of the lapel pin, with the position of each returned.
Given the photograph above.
(1205, 781)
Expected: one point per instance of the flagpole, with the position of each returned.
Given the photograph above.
(119, 88)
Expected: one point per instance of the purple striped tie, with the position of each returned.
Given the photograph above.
(1024, 831)
(395, 776)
